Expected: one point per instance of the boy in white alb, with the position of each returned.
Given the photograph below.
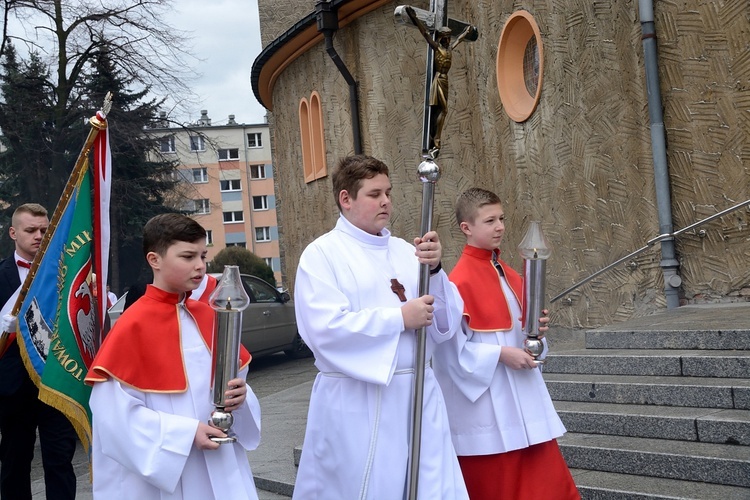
(503, 423)
(357, 309)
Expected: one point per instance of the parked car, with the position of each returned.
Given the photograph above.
(268, 324)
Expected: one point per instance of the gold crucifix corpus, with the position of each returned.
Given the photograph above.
(439, 59)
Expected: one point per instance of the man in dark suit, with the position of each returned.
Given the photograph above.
(21, 412)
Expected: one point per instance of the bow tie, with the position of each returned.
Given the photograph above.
(23, 263)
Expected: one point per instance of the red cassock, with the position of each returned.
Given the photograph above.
(538, 472)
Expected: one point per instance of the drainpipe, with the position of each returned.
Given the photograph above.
(669, 263)
(328, 24)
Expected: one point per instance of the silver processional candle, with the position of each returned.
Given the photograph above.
(228, 301)
(535, 251)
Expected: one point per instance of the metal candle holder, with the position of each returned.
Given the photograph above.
(535, 251)
(228, 301)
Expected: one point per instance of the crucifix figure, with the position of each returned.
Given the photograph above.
(439, 59)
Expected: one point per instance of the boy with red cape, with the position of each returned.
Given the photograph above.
(151, 378)
(503, 424)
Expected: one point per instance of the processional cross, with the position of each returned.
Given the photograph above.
(439, 58)
(437, 28)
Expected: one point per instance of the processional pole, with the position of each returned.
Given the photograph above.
(434, 27)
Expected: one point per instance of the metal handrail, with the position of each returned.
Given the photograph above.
(649, 244)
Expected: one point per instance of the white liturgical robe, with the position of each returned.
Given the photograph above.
(357, 439)
(143, 441)
(493, 408)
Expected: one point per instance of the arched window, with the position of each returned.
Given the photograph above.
(304, 129)
(313, 138)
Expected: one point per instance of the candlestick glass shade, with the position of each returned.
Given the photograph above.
(228, 300)
(534, 244)
(535, 250)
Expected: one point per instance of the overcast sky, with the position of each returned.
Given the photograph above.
(226, 37)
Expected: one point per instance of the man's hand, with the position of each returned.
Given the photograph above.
(202, 435)
(429, 251)
(235, 396)
(8, 323)
(418, 312)
(516, 359)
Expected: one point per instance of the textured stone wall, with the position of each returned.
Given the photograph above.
(581, 164)
(278, 16)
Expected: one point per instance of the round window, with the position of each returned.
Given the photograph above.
(520, 63)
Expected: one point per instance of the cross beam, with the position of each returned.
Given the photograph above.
(428, 19)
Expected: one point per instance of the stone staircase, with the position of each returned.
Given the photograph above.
(659, 409)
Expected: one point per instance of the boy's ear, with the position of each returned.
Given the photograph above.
(465, 228)
(344, 199)
(154, 260)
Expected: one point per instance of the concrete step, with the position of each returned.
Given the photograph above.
(690, 363)
(663, 458)
(606, 338)
(706, 425)
(699, 392)
(280, 487)
(597, 485)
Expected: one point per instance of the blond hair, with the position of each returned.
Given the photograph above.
(470, 201)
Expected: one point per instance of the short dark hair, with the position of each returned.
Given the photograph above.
(34, 209)
(351, 171)
(471, 200)
(161, 231)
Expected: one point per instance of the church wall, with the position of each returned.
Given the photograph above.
(581, 164)
(278, 16)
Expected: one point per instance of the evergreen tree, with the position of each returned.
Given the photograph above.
(30, 136)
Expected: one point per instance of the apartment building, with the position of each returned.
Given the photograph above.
(227, 184)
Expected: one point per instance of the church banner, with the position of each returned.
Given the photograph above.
(57, 320)
(59, 328)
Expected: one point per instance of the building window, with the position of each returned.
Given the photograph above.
(202, 206)
(531, 66)
(197, 143)
(263, 234)
(268, 261)
(520, 66)
(254, 140)
(200, 175)
(209, 237)
(229, 154)
(260, 202)
(233, 216)
(312, 139)
(166, 144)
(230, 185)
(241, 244)
(257, 171)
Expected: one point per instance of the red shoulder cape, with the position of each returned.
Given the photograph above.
(478, 282)
(144, 351)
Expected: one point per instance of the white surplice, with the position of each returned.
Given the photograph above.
(493, 408)
(143, 441)
(357, 439)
